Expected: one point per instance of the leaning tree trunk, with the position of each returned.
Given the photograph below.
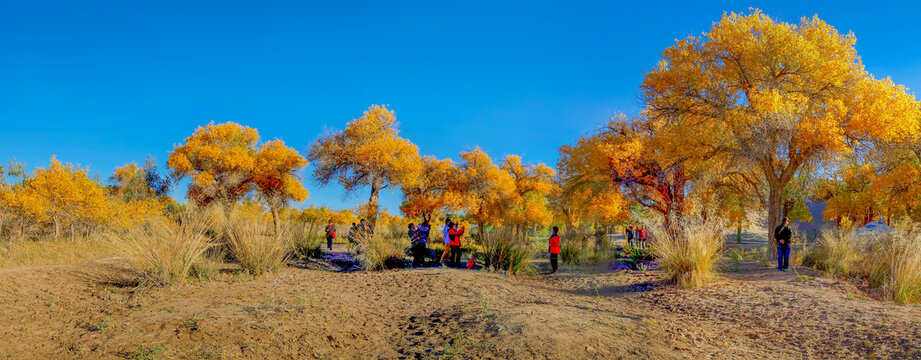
(376, 186)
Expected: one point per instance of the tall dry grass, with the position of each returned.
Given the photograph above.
(504, 248)
(690, 260)
(836, 252)
(381, 252)
(255, 244)
(163, 251)
(891, 262)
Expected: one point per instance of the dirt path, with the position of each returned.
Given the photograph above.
(79, 312)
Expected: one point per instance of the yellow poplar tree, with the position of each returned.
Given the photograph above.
(226, 162)
(776, 95)
(220, 159)
(487, 189)
(63, 194)
(368, 152)
(274, 176)
(533, 183)
(437, 189)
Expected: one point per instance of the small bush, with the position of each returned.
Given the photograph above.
(505, 249)
(307, 243)
(690, 260)
(379, 253)
(891, 261)
(836, 253)
(256, 245)
(165, 252)
(571, 253)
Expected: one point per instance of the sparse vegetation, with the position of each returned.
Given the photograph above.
(691, 259)
(257, 246)
(164, 252)
(891, 262)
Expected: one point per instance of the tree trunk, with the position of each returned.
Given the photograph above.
(739, 237)
(376, 186)
(775, 209)
(274, 218)
(57, 228)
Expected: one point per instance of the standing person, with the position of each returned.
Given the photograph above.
(554, 249)
(330, 234)
(783, 234)
(455, 245)
(630, 235)
(364, 229)
(413, 234)
(447, 239)
(642, 236)
(353, 232)
(423, 235)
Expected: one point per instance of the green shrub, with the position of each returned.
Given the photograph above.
(506, 249)
(571, 253)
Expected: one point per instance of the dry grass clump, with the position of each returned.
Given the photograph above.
(255, 244)
(379, 252)
(891, 261)
(506, 249)
(689, 260)
(165, 252)
(836, 252)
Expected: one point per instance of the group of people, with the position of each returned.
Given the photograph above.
(636, 236)
(452, 232)
(419, 237)
(354, 231)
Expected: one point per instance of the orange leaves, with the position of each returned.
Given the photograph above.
(486, 188)
(225, 164)
(273, 172)
(770, 85)
(436, 189)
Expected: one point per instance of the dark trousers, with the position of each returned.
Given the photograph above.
(554, 261)
(455, 257)
(329, 243)
(783, 258)
(419, 255)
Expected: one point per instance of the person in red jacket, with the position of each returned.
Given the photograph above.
(554, 249)
(455, 245)
(330, 234)
(642, 237)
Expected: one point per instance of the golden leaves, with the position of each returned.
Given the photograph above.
(226, 162)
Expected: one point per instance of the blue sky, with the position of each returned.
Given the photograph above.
(103, 84)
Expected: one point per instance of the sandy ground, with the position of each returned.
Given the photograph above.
(81, 312)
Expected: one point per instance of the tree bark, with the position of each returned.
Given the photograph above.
(775, 213)
(376, 186)
(57, 228)
(274, 211)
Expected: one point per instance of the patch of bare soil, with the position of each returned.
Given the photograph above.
(82, 312)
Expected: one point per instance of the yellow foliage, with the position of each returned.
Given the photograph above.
(220, 159)
(367, 153)
(62, 194)
(486, 190)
